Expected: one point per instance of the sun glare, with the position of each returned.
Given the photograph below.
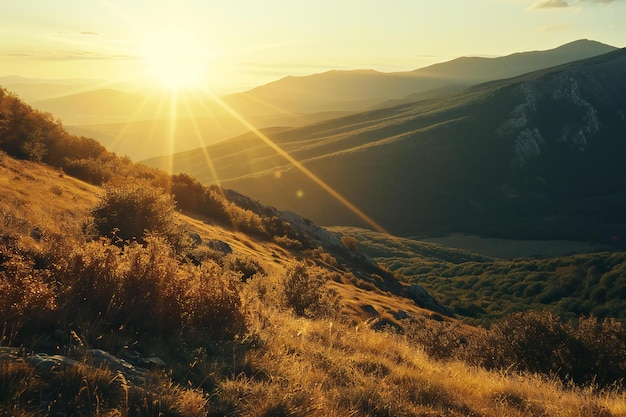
(176, 60)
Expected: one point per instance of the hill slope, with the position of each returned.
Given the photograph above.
(532, 156)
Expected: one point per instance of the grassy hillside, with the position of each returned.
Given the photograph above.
(236, 310)
(267, 359)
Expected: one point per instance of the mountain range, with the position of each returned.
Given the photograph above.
(143, 124)
(357, 90)
(537, 155)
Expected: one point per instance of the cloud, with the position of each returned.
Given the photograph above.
(552, 4)
(549, 4)
(76, 55)
(559, 27)
(90, 33)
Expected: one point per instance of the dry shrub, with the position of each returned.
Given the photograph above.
(213, 304)
(133, 211)
(25, 292)
(307, 293)
(145, 288)
(439, 339)
(246, 266)
(603, 359)
(287, 242)
(590, 353)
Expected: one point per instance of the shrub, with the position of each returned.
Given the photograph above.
(531, 341)
(25, 294)
(145, 289)
(440, 340)
(307, 293)
(135, 211)
(213, 304)
(246, 266)
(604, 357)
(592, 352)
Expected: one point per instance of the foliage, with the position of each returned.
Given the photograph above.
(570, 286)
(307, 293)
(134, 211)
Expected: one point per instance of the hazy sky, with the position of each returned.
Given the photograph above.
(242, 43)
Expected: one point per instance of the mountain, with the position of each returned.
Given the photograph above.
(32, 90)
(137, 123)
(358, 90)
(536, 156)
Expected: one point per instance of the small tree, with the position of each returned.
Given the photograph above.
(135, 211)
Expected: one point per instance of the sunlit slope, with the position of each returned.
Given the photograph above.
(143, 125)
(533, 156)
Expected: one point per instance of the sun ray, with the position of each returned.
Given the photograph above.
(171, 131)
(330, 190)
(203, 148)
(134, 117)
(181, 50)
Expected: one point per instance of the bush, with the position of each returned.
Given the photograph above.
(440, 340)
(604, 357)
(213, 304)
(591, 353)
(135, 211)
(25, 294)
(306, 293)
(145, 289)
(530, 341)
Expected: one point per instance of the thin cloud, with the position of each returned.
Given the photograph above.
(554, 4)
(559, 27)
(70, 56)
(90, 33)
(549, 4)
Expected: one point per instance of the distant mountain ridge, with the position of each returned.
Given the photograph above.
(137, 123)
(539, 155)
(359, 89)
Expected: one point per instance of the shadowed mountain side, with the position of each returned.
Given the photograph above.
(534, 156)
(361, 89)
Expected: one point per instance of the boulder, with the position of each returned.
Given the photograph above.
(421, 297)
(220, 246)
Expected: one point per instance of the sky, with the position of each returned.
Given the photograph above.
(234, 45)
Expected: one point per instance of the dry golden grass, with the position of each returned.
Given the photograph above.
(35, 196)
(327, 368)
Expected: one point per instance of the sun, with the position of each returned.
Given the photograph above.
(175, 60)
